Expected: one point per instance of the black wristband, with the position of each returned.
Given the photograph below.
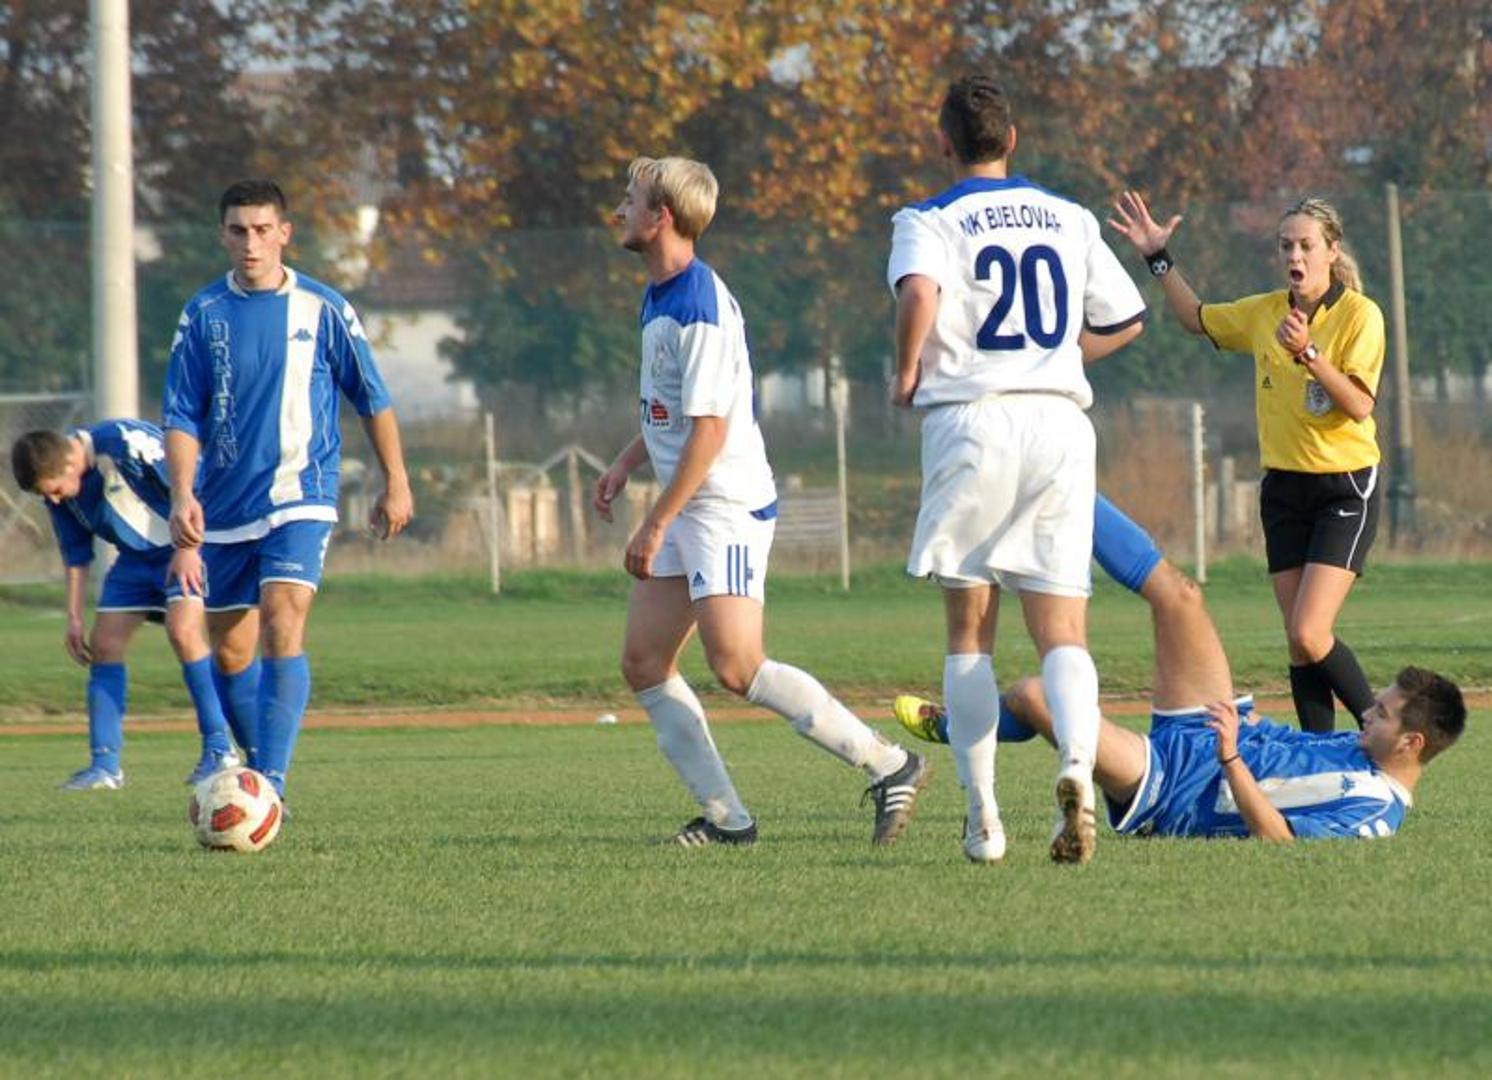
(1229, 761)
(1160, 263)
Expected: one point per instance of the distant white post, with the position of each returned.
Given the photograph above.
(1199, 493)
(839, 392)
(116, 389)
(493, 539)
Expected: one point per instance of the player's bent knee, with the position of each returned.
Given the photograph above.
(643, 672)
(1310, 644)
(1027, 700)
(1169, 589)
(734, 675)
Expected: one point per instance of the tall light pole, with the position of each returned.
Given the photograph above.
(116, 364)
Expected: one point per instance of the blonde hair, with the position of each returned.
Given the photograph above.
(1344, 270)
(688, 188)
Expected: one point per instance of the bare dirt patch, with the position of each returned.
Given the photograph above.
(874, 710)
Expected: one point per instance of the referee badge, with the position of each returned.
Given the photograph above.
(1317, 400)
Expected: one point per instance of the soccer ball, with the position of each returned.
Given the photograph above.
(235, 810)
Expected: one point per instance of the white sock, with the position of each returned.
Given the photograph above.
(818, 716)
(972, 699)
(684, 737)
(1071, 684)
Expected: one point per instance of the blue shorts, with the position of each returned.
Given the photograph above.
(1180, 763)
(294, 552)
(136, 582)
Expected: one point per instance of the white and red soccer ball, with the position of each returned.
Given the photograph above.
(235, 810)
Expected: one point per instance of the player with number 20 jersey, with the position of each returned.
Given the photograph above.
(1004, 290)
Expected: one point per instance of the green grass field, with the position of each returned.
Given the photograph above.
(483, 901)
(553, 638)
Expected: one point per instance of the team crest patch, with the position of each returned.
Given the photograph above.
(1317, 400)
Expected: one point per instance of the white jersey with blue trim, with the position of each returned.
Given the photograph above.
(695, 362)
(254, 378)
(124, 496)
(1325, 786)
(1021, 272)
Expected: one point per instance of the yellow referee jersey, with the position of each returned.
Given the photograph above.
(1299, 427)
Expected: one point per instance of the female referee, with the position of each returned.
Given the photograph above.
(1318, 351)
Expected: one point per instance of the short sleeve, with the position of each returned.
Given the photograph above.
(75, 541)
(351, 361)
(188, 392)
(916, 248)
(1366, 819)
(1111, 301)
(707, 370)
(1228, 324)
(1359, 351)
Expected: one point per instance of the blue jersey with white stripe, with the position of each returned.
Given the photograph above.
(123, 497)
(254, 378)
(1324, 785)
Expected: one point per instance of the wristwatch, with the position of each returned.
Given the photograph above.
(1309, 353)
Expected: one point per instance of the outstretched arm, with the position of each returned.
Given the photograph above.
(1132, 220)
(1262, 819)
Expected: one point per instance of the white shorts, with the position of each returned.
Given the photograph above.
(1007, 495)
(721, 548)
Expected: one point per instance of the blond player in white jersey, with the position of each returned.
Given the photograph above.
(1003, 291)
(700, 555)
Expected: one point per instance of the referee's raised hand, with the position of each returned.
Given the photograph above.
(1132, 220)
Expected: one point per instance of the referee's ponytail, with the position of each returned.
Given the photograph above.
(1344, 270)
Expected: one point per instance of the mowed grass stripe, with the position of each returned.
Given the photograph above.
(484, 902)
(553, 639)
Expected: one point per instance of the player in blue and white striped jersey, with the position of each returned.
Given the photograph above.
(700, 555)
(258, 365)
(108, 482)
(1208, 767)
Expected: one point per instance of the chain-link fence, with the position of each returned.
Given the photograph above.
(540, 329)
(28, 551)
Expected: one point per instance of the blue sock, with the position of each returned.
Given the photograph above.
(1012, 728)
(107, 685)
(1124, 550)
(211, 723)
(239, 694)
(284, 690)
(1009, 729)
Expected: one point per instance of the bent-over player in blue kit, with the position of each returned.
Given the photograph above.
(108, 481)
(260, 360)
(1208, 767)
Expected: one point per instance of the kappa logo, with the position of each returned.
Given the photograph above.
(143, 446)
(1348, 784)
(302, 335)
(1266, 384)
(697, 580)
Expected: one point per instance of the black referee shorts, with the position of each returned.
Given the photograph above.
(1329, 518)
